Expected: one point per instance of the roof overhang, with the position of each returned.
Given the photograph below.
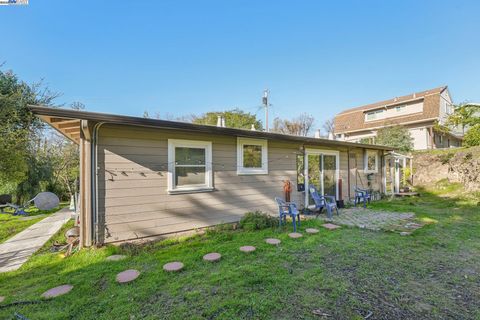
(68, 122)
(69, 127)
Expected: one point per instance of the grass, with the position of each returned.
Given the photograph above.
(10, 225)
(347, 273)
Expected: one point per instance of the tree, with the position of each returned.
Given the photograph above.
(299, 126)
(19, 128)
(465, 115)
(77, 106)
(235, 118)
(397, 137)
(472, 137)
(329, 127)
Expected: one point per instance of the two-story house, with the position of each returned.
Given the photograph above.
(418, 112)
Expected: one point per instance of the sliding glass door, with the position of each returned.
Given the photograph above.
(321, 170)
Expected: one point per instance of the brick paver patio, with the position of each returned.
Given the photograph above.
(375, 220)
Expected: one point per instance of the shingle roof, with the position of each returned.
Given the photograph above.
(396, 100)
(354, 119)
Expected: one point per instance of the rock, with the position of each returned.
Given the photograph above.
(405, 233)
(311, 230)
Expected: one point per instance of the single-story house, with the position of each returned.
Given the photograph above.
(145, 177)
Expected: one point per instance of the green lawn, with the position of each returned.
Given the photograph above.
(347, 273)
(11, 225)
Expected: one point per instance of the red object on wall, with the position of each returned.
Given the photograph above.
(287, 189)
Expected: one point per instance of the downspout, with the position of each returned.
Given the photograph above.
(94, 179)
(348, 173)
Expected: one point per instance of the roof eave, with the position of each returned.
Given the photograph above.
(137, 121)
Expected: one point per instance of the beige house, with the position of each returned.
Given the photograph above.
(144, 177)
(417, 111)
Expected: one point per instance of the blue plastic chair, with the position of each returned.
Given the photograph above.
(327, 202)
(362, 195)
(288, 209)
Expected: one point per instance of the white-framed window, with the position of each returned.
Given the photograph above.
(371, 161)
(400, 108)
(252, 156)
(373, 115)
(189, 166)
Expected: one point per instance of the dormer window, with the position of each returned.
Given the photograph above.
(373, 115)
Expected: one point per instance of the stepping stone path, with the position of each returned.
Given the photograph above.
(173, 266)
(295, 235)
(273, 241)
(212, 257)
(127, 276)
(247, 248)
(311, 230)
(1, 299)
(57, 291)
(330, 226)
(116, 257)
(404, 233)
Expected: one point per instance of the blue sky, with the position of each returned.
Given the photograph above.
(183, 57)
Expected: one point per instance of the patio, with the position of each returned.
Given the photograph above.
(376, 220)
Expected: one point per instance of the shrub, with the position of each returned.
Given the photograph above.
(472, 137)
(257, 220)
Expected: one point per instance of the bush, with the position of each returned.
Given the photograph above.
(257, 221)
(472, 137)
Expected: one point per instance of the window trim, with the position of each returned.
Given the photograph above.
(367, 153)
(251, 171)
(375, 113)
(174, 143)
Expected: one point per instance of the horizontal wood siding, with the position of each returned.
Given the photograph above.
(132, 183)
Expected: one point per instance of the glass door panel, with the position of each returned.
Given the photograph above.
(314, 174)
(329, 175)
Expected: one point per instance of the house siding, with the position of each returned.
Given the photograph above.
(133, 201)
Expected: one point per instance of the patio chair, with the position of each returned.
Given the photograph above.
(288, 209)
(362, 195)
(327, 202)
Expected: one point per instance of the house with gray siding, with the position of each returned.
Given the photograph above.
(143, 178)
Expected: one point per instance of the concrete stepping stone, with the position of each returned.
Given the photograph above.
(330, 226)
(311, 230)
(57, 291)
(116, 257)
(127, 275)
(173, 266)
(247, 248)
(2, 299)
(273, 241)
(295, 235)
(212, 257)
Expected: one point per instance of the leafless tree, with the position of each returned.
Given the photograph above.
(299, 126)
(329, 126)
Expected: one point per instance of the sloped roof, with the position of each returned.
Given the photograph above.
(72, 119)
(396, 100)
